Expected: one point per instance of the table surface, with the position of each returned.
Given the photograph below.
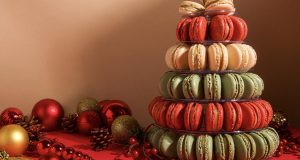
(81, 143)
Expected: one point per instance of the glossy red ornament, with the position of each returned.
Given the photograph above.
(49, 112)
(49, 157)
(57, 149)
(68, 153)
(43, 147)
(87, 121)
(10, 116)
(111, 109)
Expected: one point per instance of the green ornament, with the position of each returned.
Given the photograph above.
(125, 127)
(87, 104)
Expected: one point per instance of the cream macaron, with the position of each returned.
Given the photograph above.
(177, 57)
(215, 5)
(217, 57)
(242, 57)
(190, 8)
(197, 57)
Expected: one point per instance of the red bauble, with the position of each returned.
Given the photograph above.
(111, 109)
(68, 153)
(49, 112)
(43, 147)
(10, 115)
(87, 121)
(49, 157)
(57, 149)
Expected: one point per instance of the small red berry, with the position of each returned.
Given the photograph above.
(135, 154)
(147, 145)
(132, 140)
(154, 151)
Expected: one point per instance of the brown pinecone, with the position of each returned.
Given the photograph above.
(32, 126)
(69, 123)
(101, 138)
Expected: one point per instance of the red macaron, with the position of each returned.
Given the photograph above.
(193, 116)
(175, 116)
(240, 29)
(221, 28)
(268, 110)
(161, 114)
(182, 31)
(152, 103)
(197, 30)
(249, 116)
(259, 115)
(214, 117)
(232, 116)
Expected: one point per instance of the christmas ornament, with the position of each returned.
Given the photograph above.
(57, 149)
(49, 156)
(101, 138)
(3, 155)
(32, 126)
(10, 115)
(87, 121)
(69, 123)
(111, 109)
(87, 104)
(125, 127)
(279, 120)
(49, 112)
(43, 147)
(68, 153)
(13, 139)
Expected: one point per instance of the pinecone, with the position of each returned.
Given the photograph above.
(32, 126)
(69, 123)
(101, 138)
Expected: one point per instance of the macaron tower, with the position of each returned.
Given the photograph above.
(210, 105)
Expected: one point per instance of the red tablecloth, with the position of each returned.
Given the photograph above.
(81, 143)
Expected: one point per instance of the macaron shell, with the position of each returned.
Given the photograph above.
(204, 147)
(220, 146)
(232, 86)
(232, 116)
(240, 29)
(182, 31)
(163, 85)
(156, 136)
(253, 146)
(235, 57)
(189, 147)
(169, 115)
(252, 57)
(249, 114)
(152, 103)
(217, 57)
(262, 147)
(251, 87)
(267, 106)
(168, 144)
(242, 147)
(214, 116)
(189, 8)
(177, 118)
(180, 147)
(162, 113)
(177, 57)
(258, 115)
(208, 86)
(230, 150)
(155, 109)
(272, 141)
(175, 87)
(192, 87)
(239, 113)
(193, 116)
(197, 57)
(221, 28)
(264, 115)
(197, 30)
(245, 57)
(217, 85)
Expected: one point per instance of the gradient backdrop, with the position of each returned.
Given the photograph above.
(112, 49)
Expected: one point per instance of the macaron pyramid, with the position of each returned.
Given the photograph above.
(210, 105)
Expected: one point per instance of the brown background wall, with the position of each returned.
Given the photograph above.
(115, 49)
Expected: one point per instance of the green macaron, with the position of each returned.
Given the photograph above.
(259, 81)
(167, 144)
(164, 82)
(232, 86)
(155, 137)
(204, 147)
(272, 140)
(253, 86)
(245, 147)
(224, 147)
(175, 87)
(212, 86)
(262, 147)
(193, 87)
(186, 147)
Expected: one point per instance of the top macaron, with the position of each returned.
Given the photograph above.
(206, 7)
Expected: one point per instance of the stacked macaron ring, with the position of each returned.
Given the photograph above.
(226, 86)
(210, 105)
(260, 144)
(211, 117)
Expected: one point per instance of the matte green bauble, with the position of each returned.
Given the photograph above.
(125, 127)
(87, 104)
